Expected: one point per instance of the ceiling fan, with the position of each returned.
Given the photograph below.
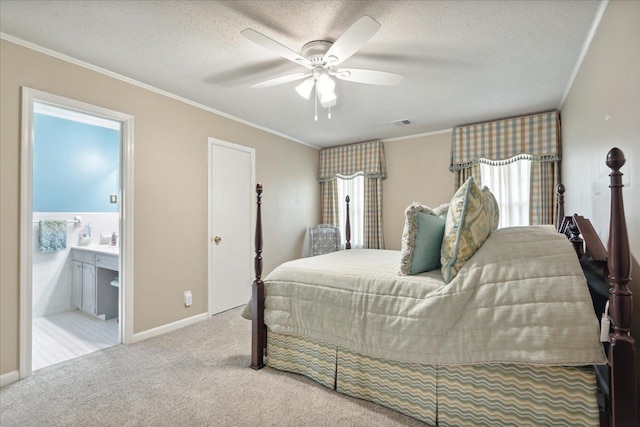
(321, 57)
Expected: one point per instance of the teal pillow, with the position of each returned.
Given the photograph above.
(426, 254)
(422, 238)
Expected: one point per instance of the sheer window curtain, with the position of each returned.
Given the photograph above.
(352, 186)
(510, 183)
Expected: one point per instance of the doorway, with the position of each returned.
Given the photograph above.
(76, 221)
(231, 214)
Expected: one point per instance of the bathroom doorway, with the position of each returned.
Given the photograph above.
(76, 218)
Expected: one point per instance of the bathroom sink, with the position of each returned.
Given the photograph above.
(104, 249)
(108, 248)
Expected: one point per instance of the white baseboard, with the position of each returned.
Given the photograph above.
(9, 377)
(168, 327)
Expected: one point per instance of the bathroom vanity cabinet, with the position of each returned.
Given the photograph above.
(93, 270)
(83, 286)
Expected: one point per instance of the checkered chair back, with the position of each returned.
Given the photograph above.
(323, 238)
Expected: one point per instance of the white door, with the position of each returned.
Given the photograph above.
(231, 170)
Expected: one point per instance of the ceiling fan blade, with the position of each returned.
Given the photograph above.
(280, 80)
(351, 40)
(274, 46)
(371, 77)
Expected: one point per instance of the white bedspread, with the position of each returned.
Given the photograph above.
(522, 298)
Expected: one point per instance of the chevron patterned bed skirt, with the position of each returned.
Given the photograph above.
(478, 395)
(517, 395)
(304, 356)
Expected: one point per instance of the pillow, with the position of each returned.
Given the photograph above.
(496, 208)
(422, 238)
(471, 218)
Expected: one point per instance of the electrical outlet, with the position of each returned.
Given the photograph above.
(188, 298)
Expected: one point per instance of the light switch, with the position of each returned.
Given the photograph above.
(113, 198)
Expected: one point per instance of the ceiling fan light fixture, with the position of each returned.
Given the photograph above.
(321, 57)
(325, 83)
(327, 98)
(304, 89)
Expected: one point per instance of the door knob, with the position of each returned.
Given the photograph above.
(217, 239)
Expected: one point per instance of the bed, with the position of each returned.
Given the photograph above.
(512, 339)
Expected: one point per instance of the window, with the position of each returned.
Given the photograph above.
(352, 186)
(510, 183)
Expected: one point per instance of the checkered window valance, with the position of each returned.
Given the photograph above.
(367, 158)
(537, 135)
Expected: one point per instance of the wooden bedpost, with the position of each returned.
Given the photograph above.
(560, 191)
(568, 225)
(622, 354)
(348, 226)
(258, 331)
(574, 237)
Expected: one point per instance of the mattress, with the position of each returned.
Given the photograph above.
(522, 298)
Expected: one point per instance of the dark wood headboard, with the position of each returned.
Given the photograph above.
(616, 262)
(622, 354)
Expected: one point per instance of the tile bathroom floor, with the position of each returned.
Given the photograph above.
(63, 336)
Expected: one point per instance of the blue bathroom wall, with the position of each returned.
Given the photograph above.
(75, 166)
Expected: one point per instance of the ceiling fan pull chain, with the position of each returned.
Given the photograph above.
(315, 87)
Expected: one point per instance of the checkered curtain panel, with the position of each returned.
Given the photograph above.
(543, 206)
(537, 135)
(367, 158)
(373, 236)
(461, 175)
(329, 202)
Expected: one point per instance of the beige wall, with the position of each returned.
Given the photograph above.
(170, 179)
(418, 170)
(608, 84)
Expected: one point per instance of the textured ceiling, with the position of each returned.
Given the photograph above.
(462, 61)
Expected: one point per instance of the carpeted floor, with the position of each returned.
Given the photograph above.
(195, 376)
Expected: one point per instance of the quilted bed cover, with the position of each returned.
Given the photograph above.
(522, 298)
